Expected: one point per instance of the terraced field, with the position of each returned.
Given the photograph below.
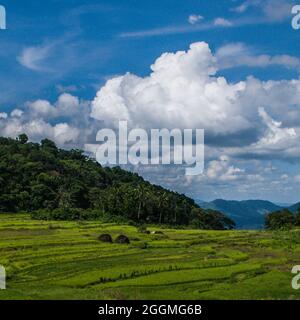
(65, 260)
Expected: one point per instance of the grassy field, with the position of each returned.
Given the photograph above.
(64, 260)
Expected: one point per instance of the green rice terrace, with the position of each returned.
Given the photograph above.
(66, 260)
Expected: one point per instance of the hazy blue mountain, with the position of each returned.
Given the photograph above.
(248, 214)
(284, 205)
(294, 207)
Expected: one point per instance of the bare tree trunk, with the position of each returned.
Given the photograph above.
(139, 210)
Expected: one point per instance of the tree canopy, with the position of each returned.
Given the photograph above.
(282, 219)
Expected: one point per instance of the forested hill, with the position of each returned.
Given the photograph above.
(62, 184)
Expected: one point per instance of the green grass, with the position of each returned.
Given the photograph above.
(64, 260)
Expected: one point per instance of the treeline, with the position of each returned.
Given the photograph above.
(282, 219)
(67, 185)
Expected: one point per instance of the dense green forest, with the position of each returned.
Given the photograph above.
(282, 219)
(52, 183)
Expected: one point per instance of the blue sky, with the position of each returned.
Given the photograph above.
(89, 34)
(60, 53)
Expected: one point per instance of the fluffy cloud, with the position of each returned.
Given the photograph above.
(184, 91)
(222, 170)
(225, 170)
(66, 105)
(277, 141)
(41, 108)
(16, 113)
(37, 129)
(41, 119)
(276, 135)
(3, 115)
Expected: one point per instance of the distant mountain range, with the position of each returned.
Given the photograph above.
(248, 214)
(294, 207)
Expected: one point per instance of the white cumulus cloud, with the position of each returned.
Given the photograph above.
(182, 91)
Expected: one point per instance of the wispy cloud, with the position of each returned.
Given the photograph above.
(222, 22)
(73, 17)
(36, 57)
(277, 10)
(273, 10)
(66, 88)
(244, 6)
(61, 56)
(180, 29)
(159, 31)
(173, 30)
(33, 57)
(238, 54)
(195, 18)
(268, 11)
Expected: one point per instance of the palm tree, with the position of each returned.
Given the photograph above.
(141, 195)
(163, 202)
(175, 209)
